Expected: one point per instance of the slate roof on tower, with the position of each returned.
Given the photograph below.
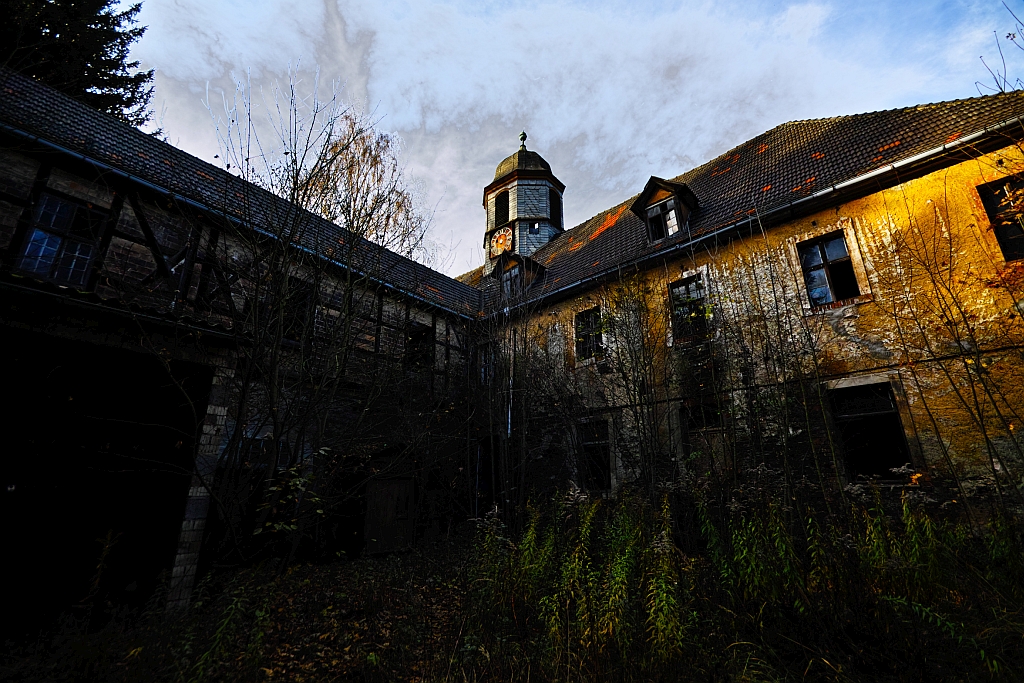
(522, 160)
(770, 172)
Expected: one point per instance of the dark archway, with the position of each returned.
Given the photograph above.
(98, 455)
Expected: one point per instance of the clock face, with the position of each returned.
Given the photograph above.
(501, 241)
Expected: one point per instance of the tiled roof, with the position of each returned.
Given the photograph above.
(33, 108)
(472, 278)
(788, 162)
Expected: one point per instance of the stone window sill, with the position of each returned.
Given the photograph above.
(852, 301)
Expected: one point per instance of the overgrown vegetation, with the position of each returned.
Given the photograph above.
(600, 590)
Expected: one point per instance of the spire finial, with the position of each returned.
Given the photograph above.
(522, 141)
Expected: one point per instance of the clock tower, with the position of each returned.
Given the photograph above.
(524, 206)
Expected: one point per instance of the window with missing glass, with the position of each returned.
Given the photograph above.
(63, 240)
(588, 334)
(869, 431)
(662, 220)
(828, 269)
(1004, 203)
(689, 311)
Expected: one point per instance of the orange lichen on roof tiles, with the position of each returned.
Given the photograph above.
(204, 175)
(762, 148)
(574, 247)
(609, 220)
(766, 188)
(889, 146)
(804, 184)
(595, 263)
(433, 289)
(720, 171)
(952, 137)
(817, 155)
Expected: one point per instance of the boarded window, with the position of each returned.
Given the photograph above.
(588, 334)
(62, 241)
(596, 457)
(1004, 203)
(555, 205)
(828, 270)
(501, 209)
(689, 311)
(869, 431)
(662, 220)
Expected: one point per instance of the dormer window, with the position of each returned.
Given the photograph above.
(512, 281)
(664, 207)
(662, 220)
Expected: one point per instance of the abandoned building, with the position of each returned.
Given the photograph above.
(843, 296)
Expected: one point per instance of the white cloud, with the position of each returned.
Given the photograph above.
(610, 93)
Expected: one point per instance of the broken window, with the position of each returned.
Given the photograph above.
(689, 311)
(828, 270)
(596, 457)
(62, 242)
(419, 346)
(555, 206)
(588, 334)
(501, 209)
(1004, 203)
(662, 220)
(869, 431)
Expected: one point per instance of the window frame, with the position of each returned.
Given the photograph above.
(555, 208)
(856, 259)
(65, 235)
(677, 339)
(589, 334)
(673, 211)
(587, 449)
(900, 411)
(512, 281)
(502, 203)
(1000, 221)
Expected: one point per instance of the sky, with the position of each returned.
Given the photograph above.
(610, 93)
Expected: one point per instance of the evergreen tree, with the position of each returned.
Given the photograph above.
(79, 47)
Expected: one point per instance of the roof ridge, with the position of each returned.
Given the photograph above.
(920, 106)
